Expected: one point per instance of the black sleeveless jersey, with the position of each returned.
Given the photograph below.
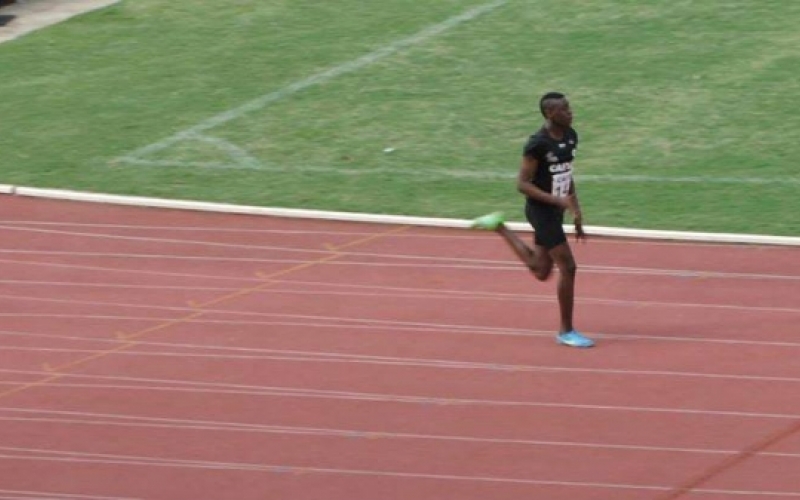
(555, 160)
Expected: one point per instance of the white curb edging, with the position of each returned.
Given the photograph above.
(60, 194)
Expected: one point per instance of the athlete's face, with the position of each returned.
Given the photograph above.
(560, 113)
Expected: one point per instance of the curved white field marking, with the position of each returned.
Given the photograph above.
(241, 157)
(322, 77)
(184, 164)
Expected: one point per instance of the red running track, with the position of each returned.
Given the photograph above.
(161, 354)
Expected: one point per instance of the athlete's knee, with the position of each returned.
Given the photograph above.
(541, 270)
(542, 274)
(568, 267)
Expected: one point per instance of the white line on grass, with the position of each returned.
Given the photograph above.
(342, 69)
(488, 174)
(243, 158)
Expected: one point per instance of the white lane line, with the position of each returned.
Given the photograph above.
(322, 77)
(355, 290)
(433, 401)
(99, 420)
(451, 235)
(472, 265)
(74, 457)
(263, 354)
(236, 313)
(233, 349)
(420, 260)
(117, 286)
(350, 434)
(69, 456)
(218, 388)
(349, 323)
(140, 272)
(50, 495)
(128, 420)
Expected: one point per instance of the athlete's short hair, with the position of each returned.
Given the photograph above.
(547, 101)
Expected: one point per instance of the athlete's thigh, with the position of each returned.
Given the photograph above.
(547, 223)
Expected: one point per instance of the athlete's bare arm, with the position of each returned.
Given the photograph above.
(577, 214)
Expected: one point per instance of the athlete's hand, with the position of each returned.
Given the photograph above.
(577, 217)
(580, 235)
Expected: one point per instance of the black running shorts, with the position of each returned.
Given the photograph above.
(548, 223)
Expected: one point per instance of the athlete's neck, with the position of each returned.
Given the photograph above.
(555, 131)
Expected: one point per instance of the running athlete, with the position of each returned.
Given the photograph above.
(545, 179)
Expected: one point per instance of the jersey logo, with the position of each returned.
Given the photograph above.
(551, 158)
(561, 167)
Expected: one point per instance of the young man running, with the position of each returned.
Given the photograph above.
(545, 179)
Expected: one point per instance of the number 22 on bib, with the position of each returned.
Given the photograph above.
(561, 184)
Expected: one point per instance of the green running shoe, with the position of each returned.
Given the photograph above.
(491, 221)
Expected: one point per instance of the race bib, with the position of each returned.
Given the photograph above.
(561, 184)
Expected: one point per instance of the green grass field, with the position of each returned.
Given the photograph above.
(687, 109)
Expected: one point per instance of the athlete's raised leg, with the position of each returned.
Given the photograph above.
(537, 259)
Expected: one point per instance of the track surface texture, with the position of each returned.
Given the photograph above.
(169, 355)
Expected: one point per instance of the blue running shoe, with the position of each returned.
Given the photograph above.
(574, 339)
